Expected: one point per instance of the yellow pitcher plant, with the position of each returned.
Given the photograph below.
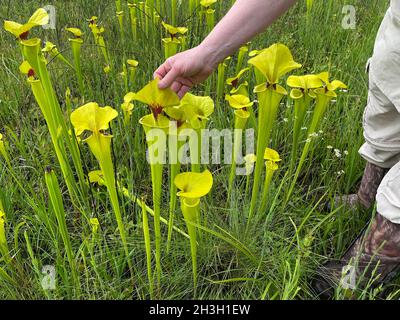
(172, 42)
(127, 107)
(302, 94)
(21, 31)
(221, 77)
(198, 110)
(209, 12)
(76, 43)
(156, 100)
(242, 53)
(51, 49)
(238, 87)
(272, 159)
(38, 77)
(323, 97)
(96, 120)
(273, 63)
(133, 19)
(97, 32)
(132, 68)
(241, 105)
(193, 186)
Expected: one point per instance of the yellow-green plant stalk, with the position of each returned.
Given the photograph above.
(127, 107)
(133, 19)
(309, 6)
(240, 104)
(120, 17)
(173, 11)
(303, 95)
(170, 47)
(193, 186)
(198, 110)
(271, 158)
(150, 123)
(176, 141)
(192, 6)
(51, 49)
(183, 43)
(221, 77)
(76, 44)
(4, 250)
(95, 119)
(132, 68)
(45, 97)
(157, 100)
(118, 5)
(57, 207)
(242, 53)
(210, 19)
(147, 244)
(148, 16)
(3, 151)
(273, 62)
(96, 176)
(124, 75)
(323, 97)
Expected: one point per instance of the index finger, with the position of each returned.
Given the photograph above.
(162, 71)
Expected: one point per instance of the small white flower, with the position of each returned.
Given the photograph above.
(337, 153)
(320, 132)
(285, 120)
(308, 140)
(329, 147)
(304, 128)
(340, 173)
(346, 153)
(313, 135)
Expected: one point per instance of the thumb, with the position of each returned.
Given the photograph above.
(169, 78)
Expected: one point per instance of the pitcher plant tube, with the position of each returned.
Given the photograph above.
(76, 43)
(273, 63)
(272, 159)
(96, 120)
(177, 139)
(323, 97)
(156, 100)
(193, 186)
(241, 105)
(303, 95)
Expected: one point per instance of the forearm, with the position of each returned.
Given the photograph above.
(245, 20)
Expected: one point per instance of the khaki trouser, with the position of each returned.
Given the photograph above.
(381, 120)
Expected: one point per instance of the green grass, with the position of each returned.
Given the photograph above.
(275, 259)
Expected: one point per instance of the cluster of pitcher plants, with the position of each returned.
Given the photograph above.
(76, 126)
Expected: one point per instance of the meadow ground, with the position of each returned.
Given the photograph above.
(274, 259)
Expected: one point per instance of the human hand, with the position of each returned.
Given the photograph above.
(186, 69)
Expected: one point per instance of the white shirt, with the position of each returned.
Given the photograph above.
(395, 5)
